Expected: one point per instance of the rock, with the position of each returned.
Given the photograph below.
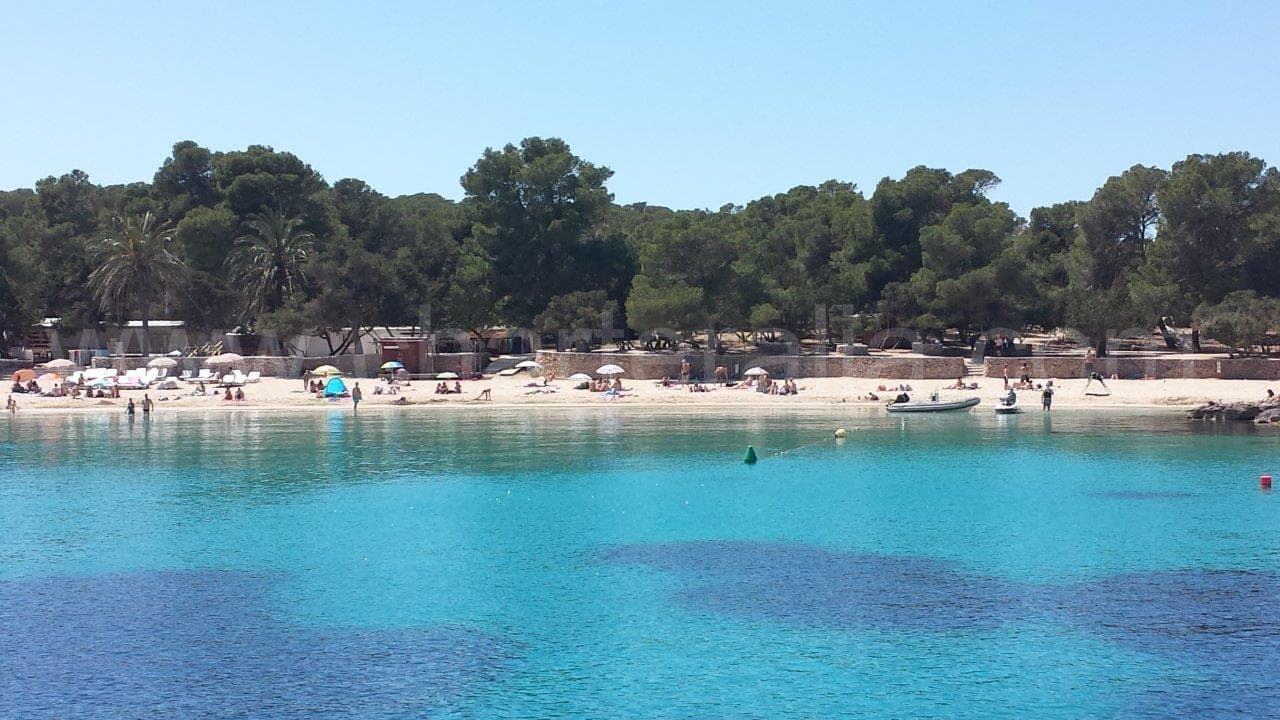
(1270, 415)
(1240, 411)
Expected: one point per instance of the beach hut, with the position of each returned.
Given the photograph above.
(335, 387)
(610, 370)
(326, 371)
(25, 375)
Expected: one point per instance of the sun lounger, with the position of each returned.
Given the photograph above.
(508, 372)
(206, 375)
(253, 377)
(186, 375)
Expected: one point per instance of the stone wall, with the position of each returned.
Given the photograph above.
(653, 366)
(291, 366)
(1129, 367)
(9, 367)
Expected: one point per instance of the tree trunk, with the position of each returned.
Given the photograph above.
(146, 335)
(1101, 345)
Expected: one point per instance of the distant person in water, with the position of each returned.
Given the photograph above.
(146, 404)
(356, 395)
(11, 405)
(1046, 396)
(129, 409)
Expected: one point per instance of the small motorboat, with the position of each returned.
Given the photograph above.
(933, 404)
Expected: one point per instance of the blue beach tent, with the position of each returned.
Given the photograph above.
(335, 387)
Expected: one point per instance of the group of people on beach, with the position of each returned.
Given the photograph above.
(443, 388)
(71, 390)
(605, 385)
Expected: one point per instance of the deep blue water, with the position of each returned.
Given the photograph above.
(623, 563)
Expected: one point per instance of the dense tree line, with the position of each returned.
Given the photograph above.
(258, 239)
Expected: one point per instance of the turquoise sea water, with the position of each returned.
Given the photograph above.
(624, 563)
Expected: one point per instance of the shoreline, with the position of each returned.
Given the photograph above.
(524, 393)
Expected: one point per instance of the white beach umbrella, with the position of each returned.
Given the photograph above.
(755, 372)
(579, 377)
(163, 362)
(527, 365)
(59, 364)
(225, 359)
(610, 370)
(446, 376)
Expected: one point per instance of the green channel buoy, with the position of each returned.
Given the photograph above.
(750, 457)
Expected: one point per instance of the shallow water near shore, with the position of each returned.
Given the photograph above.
(624, 563)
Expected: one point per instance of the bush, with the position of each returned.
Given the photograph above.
(1241, 321)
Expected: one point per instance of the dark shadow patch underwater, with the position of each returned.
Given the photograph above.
(202, 644)
(1225, 624)
(810, 585)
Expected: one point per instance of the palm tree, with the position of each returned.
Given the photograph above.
(269, 261)
(135, 268)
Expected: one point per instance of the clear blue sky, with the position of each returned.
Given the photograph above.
(691, 104)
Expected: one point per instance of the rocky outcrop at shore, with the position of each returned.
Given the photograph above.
(1263, 411)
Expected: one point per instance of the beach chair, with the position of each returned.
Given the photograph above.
(111, 373)
(206, 375)
(253, 377)
(185, 376)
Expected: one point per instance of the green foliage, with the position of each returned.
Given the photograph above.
(1221, 213)
(262, 238)
(135, 268)
(676, 306)
(269, 260)
(581, 310)
(1241, 321)
(533, 208)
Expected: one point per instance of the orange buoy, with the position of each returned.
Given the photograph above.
(1264, 482)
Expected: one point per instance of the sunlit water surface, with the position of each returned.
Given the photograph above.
(626, 564)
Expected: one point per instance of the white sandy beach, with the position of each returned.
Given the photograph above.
(273, 393)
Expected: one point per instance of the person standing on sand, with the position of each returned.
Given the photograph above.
(356, 394)
(686, 370)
